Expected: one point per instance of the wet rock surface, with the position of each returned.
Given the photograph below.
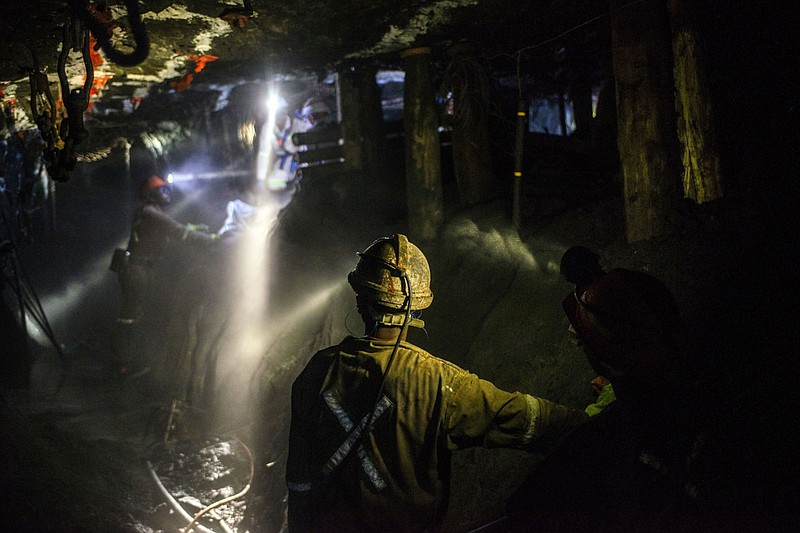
(204, 474)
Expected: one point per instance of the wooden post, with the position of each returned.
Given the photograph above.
(380, 182)
(471, 161)
(562, 111)
(647, 142)
(702, 175)
(351, 125)
(581, 96)
(604, 125)
(372, 122)
(422, 151)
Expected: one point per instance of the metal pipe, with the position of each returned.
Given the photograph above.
(172, 501)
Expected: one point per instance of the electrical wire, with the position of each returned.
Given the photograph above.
(400, 336)
(519, 52)
(171, 499)
(228, 499)
(178, 507)
(26, 294)
(347, 326)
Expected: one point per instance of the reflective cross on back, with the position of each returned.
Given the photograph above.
(354, 436)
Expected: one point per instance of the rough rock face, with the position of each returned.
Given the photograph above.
(208, 46)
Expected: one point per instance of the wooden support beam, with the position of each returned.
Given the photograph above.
(422, 151)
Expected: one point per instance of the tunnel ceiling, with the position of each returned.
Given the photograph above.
(200, 48)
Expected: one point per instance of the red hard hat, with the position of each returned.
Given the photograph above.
(153, 182)
(628, 320)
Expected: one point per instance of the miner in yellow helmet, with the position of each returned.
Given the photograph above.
(375, 418)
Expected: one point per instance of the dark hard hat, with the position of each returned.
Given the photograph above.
(626, 319)
(580, 264)
(379, 274)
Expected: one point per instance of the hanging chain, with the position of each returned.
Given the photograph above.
(43, 106)
(62, 137)
(76, 101)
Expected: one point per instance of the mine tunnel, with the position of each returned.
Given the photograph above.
(661, 135)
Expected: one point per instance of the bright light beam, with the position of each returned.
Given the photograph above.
(244, 340)
(58, 306)
(266, 139)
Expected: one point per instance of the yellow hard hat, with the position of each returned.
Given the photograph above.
(385, 269)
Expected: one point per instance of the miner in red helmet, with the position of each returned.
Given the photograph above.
(152, 230)
(637, 464)
(679, 449)
(627, 323)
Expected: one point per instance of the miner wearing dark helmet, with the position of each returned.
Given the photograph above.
(627, 322)
(151, 231)
(375, 418)
(638, 465)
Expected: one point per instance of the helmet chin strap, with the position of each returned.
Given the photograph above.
(395, 320)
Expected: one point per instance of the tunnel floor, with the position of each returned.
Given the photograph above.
(91, 452)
